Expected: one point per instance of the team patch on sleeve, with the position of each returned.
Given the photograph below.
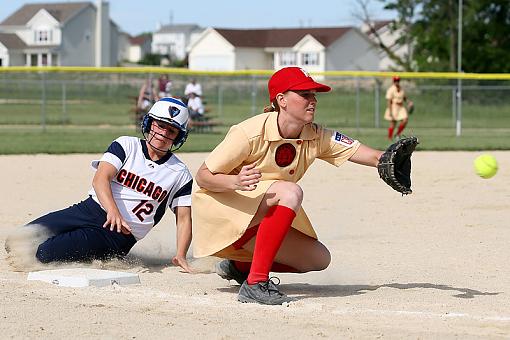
(343, 139)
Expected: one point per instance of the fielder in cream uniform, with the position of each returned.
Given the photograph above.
(248, 208)
(258, 141)
(396, 110)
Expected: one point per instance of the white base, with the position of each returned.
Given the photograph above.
(83, 277)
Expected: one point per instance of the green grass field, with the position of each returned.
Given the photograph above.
(96, 111)
(66, 139)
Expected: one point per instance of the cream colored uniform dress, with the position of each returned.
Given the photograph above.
(397, 104)
(219, 219)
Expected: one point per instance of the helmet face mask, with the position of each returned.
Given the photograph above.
(171, 111)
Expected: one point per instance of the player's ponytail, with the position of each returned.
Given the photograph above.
(273, 107)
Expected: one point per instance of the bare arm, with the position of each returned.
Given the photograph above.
(102, 186)
(409, 102)
(366, 156)
(183, 224)
(246, 180)
(140, 96)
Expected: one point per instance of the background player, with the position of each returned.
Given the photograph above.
(248, 209)
(395, 109)
(147, 96)
(136, 180)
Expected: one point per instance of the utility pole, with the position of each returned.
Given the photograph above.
(459, 70)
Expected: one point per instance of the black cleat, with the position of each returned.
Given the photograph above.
(264, 293)
(228, 271)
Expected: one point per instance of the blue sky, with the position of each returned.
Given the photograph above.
(137, 16)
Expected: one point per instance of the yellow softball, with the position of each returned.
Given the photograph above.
(486, 166)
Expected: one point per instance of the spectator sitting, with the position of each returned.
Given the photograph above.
(195, 106)
(164, 86)
(193, 87)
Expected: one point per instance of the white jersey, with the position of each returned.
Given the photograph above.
(142, 188)
(193, 88)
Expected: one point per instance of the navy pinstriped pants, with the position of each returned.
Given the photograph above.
(77, 234)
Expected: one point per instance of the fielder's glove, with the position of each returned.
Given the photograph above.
(395, 165)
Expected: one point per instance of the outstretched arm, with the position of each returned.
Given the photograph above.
(183, 223)
(102, 186)
(366, 156)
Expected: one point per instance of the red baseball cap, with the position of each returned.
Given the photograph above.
(293, 78)
(396, 78)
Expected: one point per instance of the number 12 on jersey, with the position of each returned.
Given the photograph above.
(143, 208)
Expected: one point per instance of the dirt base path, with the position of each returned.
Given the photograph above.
(435, 264)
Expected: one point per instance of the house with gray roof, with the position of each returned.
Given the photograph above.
(60, 34)
(174, 40)
(315, 49)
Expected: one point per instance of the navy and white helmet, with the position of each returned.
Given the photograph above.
(172, 111)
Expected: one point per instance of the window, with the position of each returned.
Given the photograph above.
(54, 61)
(44, 59)
(310, 58)
(1, 63)
(42, 36)
(33, 60)
(287, 58)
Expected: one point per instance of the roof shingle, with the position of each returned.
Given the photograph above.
(11, 41)
(60, 11)
(281, 37)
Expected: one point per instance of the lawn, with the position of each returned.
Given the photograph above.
(93, 139)
(84, 113)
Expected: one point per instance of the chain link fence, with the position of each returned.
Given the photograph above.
(109, 98)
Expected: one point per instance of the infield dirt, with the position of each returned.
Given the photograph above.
(434, 264)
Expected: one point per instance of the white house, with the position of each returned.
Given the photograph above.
(174, 40)
(124, 45)
(139, 47)
(315, 49)
(60, 34)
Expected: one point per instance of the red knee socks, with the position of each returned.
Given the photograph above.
(272, 231)
(401, 128)
(390, 132)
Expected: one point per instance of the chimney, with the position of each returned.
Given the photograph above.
(99, 32)
(102, 34)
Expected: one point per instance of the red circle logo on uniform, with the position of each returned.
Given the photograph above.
(285, 154)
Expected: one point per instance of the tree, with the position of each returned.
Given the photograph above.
(402, 25)
(151, 59)
(485, 35)
(435, 34)
(430, 27)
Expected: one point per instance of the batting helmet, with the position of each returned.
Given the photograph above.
(172, 111)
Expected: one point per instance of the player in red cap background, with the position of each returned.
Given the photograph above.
(396, 111)
(248, 208)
